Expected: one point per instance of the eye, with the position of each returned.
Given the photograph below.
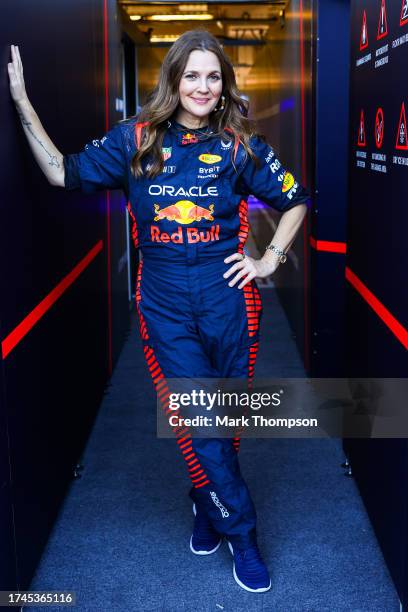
(213, 77)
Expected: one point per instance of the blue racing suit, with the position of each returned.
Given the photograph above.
(186, 221)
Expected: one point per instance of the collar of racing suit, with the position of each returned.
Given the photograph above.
(187, 135)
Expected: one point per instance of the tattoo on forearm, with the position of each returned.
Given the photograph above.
(53, 159)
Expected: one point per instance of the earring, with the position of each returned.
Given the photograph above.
(222, 104)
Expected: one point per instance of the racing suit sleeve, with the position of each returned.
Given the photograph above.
(271, 183)
(102, 164)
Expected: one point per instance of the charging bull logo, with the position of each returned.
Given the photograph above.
(184, 212)
(189, 139)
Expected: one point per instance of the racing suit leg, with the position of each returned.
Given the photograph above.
(194, 325)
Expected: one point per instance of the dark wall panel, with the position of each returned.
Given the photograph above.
(56, 373)
(329, 215)
(117, 202)
(378, 216)
(8, 577)
(377, 257)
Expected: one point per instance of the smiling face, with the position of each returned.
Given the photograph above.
(200, 88)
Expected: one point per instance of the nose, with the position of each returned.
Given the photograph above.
(203, 86)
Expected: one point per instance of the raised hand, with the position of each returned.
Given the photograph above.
(15, 70)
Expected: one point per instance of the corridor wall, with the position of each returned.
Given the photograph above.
(376, 263)
(64, 308)
(328, 223)
(7, 557)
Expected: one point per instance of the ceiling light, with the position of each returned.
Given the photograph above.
(135, 17)
(180, 17)
(164, 38)
(191, 8)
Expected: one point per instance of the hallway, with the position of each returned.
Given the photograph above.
(120, 547)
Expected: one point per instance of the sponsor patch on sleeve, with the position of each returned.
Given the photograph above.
(288, 182)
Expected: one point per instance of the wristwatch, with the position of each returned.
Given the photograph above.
(278, 251)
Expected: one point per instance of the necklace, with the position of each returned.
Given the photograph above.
(181, 128)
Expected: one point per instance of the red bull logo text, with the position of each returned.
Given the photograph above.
(189, 139)
(184, 212)
(192, 234)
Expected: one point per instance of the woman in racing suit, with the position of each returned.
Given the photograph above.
(187, 163)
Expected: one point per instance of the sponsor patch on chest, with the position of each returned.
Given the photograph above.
(176, 192)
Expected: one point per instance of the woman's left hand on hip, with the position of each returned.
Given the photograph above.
(247, 267)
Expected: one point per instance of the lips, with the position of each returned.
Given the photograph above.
(201, 100)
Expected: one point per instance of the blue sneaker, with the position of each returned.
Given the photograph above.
(205, 540)
(249, 571)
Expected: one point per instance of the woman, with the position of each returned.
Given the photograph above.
(186, 164)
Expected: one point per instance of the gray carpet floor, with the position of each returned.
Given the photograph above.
(121, 541)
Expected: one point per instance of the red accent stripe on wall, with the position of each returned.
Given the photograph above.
(108, 244)
(399, 331)
(18, 333)
(328, 245)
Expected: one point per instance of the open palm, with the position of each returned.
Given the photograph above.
(15, 70)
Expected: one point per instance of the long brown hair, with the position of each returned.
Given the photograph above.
(164, 100)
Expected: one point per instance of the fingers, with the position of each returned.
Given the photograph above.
(16, 67)
(232, 269)
(247, 280)
(233, 257)
(244, 268)
(12, 68)
(17, 64)
(11, 64)
(14, 64)
(15, 70)
(20, 63)
(249, 275)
